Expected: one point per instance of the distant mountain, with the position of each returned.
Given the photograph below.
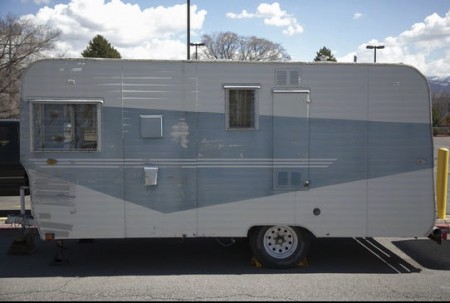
(439, 85)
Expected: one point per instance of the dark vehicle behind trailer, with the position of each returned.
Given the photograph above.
(12, 173)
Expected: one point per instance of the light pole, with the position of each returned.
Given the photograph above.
(375, 47)
(196, 45)
(188, 29)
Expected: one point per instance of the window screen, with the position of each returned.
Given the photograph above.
(241, 108)
(65, 126)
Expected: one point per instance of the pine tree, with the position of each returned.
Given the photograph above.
(325, 52)
(99, 47)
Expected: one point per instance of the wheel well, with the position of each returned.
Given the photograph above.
(279, 245)
(254, 228)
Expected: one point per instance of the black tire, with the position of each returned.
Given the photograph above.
(279, 246)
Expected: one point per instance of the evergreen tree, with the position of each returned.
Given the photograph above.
(99, 47)
(325, 52)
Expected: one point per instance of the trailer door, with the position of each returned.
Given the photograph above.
(290, 139)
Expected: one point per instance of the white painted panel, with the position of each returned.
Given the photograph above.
(145, 222)
(73, 211)
(401, 205)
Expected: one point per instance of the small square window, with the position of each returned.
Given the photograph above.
(241, 108)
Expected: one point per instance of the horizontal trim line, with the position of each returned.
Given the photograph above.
(242, 86)
(187, 163)
(68, 100)
(301, 91)
(192, 160)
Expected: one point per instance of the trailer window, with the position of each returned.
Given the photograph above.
(65, 126)
(241, 107)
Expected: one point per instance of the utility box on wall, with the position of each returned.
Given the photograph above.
(151, 126)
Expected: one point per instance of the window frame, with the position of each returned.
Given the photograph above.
(98, 104)
(239, 87)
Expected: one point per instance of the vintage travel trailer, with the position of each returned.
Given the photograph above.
(276, 152)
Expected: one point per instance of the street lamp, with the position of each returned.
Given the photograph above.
(196, 45)
(375, 47)
(188, 29)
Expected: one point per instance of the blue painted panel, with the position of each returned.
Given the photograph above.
(219, 166)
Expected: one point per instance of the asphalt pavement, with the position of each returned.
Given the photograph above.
(385, 269)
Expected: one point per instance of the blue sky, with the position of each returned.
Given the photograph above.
(415, 32)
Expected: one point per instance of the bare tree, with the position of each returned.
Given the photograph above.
(21, 42)
(228, 45)
(441, 105)
(221, 45)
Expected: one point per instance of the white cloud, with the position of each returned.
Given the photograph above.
(424, 46)
(357, 15)
(243, 15)
(273, 16)
(151, 33)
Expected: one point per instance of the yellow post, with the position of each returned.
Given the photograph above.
(442, 182)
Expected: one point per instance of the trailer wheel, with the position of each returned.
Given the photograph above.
(279, 246)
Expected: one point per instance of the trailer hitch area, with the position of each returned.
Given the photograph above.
(437, 235)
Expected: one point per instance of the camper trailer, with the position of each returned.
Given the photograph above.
(278, 152)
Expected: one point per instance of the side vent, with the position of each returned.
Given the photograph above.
(290, 180)
(288, 78)
(294, 78)
(281, 78)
